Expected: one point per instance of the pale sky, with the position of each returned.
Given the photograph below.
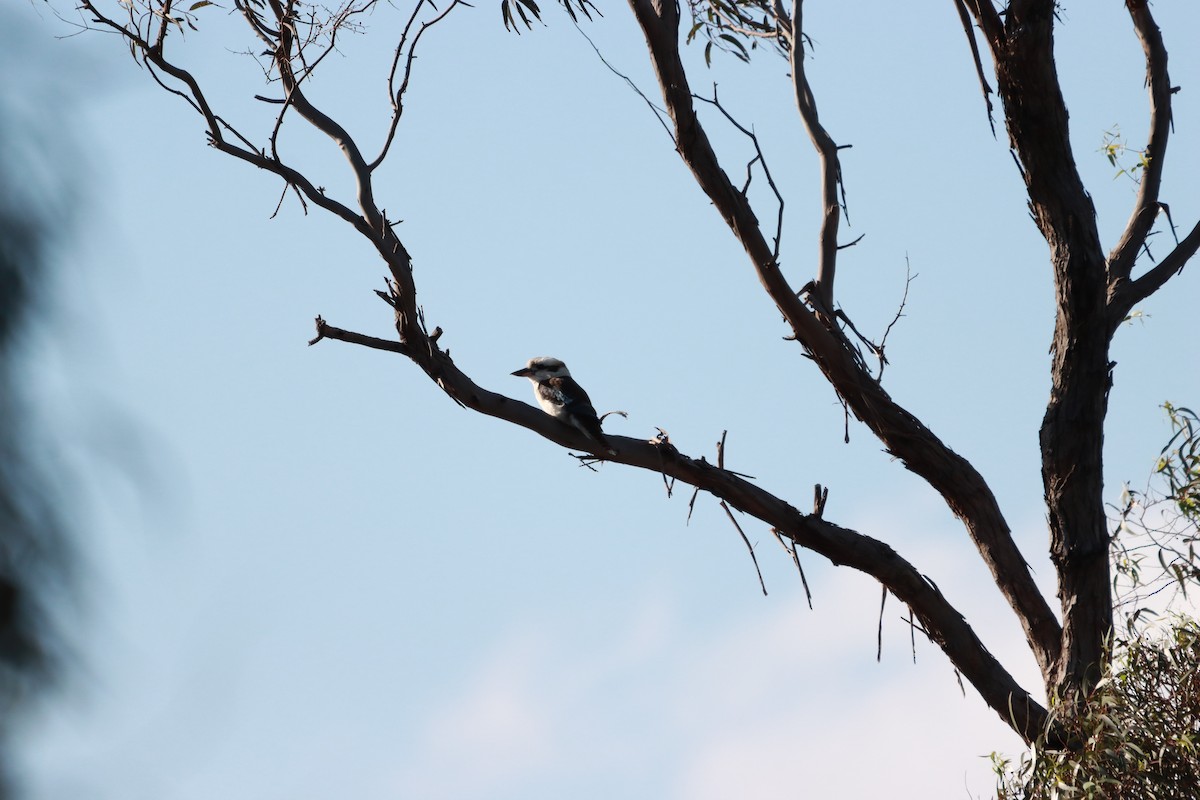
(308, 574)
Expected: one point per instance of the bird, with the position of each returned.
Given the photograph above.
(562, 398)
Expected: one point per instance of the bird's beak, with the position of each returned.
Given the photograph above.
(524, 372)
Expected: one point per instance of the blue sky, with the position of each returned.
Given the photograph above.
(310, 575)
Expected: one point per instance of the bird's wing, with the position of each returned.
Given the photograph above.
(572, 397)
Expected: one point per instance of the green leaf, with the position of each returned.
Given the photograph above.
(741, 48)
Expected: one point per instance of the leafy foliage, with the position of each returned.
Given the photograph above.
(1179, 462)
(1135, 736)
(738, 26)
(528, 10)
(1116, 151)
(1154, 544)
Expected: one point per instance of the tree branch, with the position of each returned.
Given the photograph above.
(1072, 431)
(1145, 208)
(984, 87)
(285, 50)
(964, 490)
(1129, 293)
(327, 331)
(397, 95)
(831, 167)
(842, 546)
(987, 18)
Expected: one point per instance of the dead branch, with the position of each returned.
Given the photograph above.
(820, 496)
(761, 159)
(879, 632)
(790, 548)
(659, 112)
(749, 546)
(396, 95)
(908, 279)
(327, 331)
(984, 86)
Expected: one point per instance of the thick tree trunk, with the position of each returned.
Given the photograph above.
(1072, 432)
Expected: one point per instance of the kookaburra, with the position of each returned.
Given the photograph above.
(562, 398)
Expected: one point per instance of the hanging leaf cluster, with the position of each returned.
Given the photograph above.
(738, 27)
(516, 13)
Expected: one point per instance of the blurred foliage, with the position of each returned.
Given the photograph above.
(38, 182)
(1137, 734)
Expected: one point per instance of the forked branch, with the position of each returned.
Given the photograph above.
(964, 490)
(1124, 290)
(1145, 207)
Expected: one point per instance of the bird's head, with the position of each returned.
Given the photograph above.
(543, 368)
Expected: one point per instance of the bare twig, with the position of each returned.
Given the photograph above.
(984, 86)
(908, 279)
(790, 548)
(327, 331)
(749, 546)
(912, 634)
(396, 95)
(658, 111)
(759, 158)
(879, 632)
(820, 496)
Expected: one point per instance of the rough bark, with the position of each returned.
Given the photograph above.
(1093, 293)
(1072, 433)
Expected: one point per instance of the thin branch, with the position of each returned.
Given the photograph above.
(908, 279)
(659, 113)
(759, 157)
(396, 96)
(988, 19)
(984, 86)
(749, 546)
(1130, 293)
(327, 331)
(1145, 208)
(831, 169)
(879, 632)
(790, 548)
(217, 126)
